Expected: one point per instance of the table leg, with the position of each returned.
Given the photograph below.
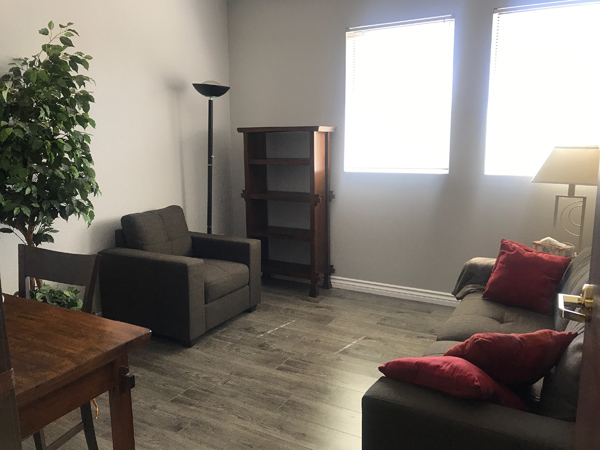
(121, 412)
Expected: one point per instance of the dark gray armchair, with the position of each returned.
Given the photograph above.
(176, 282)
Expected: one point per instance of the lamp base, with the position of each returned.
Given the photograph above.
(572, 216)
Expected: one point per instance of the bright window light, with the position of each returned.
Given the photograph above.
(544, 85)
(399, 96)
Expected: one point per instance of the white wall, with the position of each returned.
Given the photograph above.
(151, 141)
(287, 65)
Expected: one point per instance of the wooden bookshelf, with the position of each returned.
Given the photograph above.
(317, 195)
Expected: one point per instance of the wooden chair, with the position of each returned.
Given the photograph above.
(69, 269)
(10, 435)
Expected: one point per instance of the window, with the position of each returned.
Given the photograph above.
(399, 96)
(544, 84)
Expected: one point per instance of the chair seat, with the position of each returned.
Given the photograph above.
(222, 278)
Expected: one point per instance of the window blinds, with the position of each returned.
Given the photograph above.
(398, 96)
(544, 84)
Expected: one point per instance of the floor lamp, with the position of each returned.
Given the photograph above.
(210, 89)
(572, 166)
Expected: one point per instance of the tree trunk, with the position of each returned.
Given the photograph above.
(27, 233)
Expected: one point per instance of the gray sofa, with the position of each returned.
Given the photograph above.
(399, 415)
(176, 282)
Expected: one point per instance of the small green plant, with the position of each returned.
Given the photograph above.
(58, 297)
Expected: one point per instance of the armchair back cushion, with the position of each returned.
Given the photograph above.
(160, 231)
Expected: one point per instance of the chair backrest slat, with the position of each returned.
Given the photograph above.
(59, 267)
(10, 434)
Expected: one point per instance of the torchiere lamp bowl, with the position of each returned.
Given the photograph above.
(210, 88)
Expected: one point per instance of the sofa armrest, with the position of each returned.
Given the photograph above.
(162, 292)
(242, 250)
(474, 276)
(403, 415)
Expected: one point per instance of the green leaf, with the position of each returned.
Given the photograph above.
(44, 31)
(66, 41)
(5, 95)
(92, 122)
(43, 75)
(5, 133)
(26, 210)
(51, 25)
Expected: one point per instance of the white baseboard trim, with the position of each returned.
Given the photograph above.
(390, 290)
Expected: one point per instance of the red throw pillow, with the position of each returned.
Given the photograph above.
(514, 359)
(454, 376)
(525, 278)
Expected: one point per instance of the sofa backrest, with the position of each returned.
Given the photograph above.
(559, 394)
(576, 275)
(160, 231)
(560, 391)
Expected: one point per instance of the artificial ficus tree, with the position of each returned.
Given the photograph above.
(46, 168)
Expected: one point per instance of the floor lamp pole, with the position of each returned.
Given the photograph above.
(210, 89)
(210, 168)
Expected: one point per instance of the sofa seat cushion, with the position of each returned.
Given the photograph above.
(438, 348)
(222, 278)
(477, 315)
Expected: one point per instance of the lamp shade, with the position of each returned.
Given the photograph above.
(570, 165)
(210, 88)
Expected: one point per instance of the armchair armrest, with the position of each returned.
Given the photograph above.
(474, 276)
(242, 250)
(162, 292)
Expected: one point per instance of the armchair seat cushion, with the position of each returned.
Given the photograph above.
(222, 278)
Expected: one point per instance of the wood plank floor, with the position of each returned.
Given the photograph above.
(288, 376)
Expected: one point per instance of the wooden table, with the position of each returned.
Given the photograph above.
(63, 359)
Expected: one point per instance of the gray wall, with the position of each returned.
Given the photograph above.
(285, 63)
(287, 66)
(151, 141)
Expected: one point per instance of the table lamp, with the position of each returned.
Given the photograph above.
(210, 89)
(571, 166)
